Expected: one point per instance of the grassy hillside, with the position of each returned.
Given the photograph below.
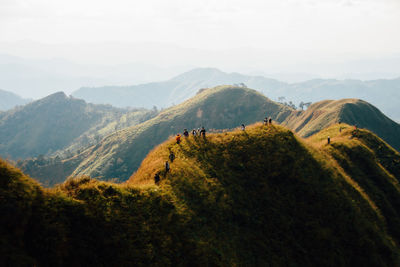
(57, 122)
(351, 111)
(253, 198)
(121, 153)
(371, 163)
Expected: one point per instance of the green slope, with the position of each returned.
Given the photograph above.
(352, 111)
(58, 122)
(371, 163)
(254, 198)
(223, 107)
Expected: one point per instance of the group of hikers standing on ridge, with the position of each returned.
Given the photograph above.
(194, 133)
(198, 132)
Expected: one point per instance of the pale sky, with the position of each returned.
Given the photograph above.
(333, 25)
(285, 30)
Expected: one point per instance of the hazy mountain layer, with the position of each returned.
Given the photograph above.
(173, 91)
(256, 197)
(9, 100)
(381, 93)
(352, 111)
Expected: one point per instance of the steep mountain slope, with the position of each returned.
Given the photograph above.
(170, 92)
(371, 163)
(256, 197)
(53, 123)
(352, 111)
(119, 154)
(9, 100)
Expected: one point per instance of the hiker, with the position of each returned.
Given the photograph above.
(167, 168)
(329, 140)
(243, 127)
(194, 132)
(178, 138)
(185, 133)
(157, 178)
(198, 131)
(270, 120)
(171, 156)
(203, 132)
(266, 121)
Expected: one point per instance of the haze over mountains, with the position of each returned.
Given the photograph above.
(37, 78)
(381, 93)
(9, 100)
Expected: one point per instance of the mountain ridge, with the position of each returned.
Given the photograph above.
(355, 112)
(254, 197)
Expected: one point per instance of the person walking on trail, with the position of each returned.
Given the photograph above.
(329, 140)
(266, 121)
(157, 178)
(198, 131)
(178, 138)
(194, 132)
(243, 127)
(270, 120)
(203, 132)
(167, 168)
(171, 156)
(185, 133)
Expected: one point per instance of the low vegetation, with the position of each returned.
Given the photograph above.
(255, 197)
(322, 114)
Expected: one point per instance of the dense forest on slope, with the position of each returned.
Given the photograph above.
(253, 197)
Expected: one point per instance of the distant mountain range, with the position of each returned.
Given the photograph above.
(173, 91)
(120, 153)
(9, 100)
(58, 122)
(382, 93)
(34, 78)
